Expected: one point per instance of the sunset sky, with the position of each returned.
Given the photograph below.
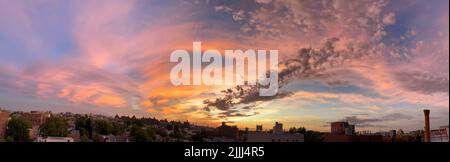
(374, 63)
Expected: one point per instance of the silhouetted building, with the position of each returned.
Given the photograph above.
(350, 130)
(364, 132)
(271, 137)
(277, 135)
(278, 128)
(228, 131)
(393, 135)
(259, 128)
(342, 128)
(439, 135)
(345, 132)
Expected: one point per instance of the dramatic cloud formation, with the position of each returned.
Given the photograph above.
(308, 64)
(350, 44)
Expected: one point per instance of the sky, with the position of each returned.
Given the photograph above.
(374, 63)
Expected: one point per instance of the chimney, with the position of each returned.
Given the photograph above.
(427, 125)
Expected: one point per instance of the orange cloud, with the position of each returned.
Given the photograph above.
(110, 100)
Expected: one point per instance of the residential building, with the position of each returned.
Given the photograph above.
(276, 136)
(342, 128)
(4, 118)
(271, 137)
(278, 128)
(228, 131)
(36, 118)
(439, 135)
(259, 128)
(345, 132)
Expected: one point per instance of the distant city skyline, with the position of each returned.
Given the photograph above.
(374, 63)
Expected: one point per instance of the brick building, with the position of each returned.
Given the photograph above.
(4, 118)
(342, 128)
(37, 118)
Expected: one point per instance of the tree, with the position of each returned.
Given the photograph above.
(84, 125)
(199, 135)
(141, 135)
(103, 127)
(9, 139)
(313, 136)
(88, 126)
(161, 132)
(54, 126)
(84, 138)
(301, 130)
(80, 123)
(18, 130)
(310, 136)
(292, 130)
(117, 128)
(151, 133)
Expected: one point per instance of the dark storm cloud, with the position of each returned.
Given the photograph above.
(371, 122)
(235, 113)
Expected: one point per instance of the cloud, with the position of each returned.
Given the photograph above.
(309, 63)
(238, 15)
(422, 82)
(342, 39)
(223, 9)
(110, 65)
(235, 113)
(263, 1)
(369, 122)
(360, 114)
(389, 19)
